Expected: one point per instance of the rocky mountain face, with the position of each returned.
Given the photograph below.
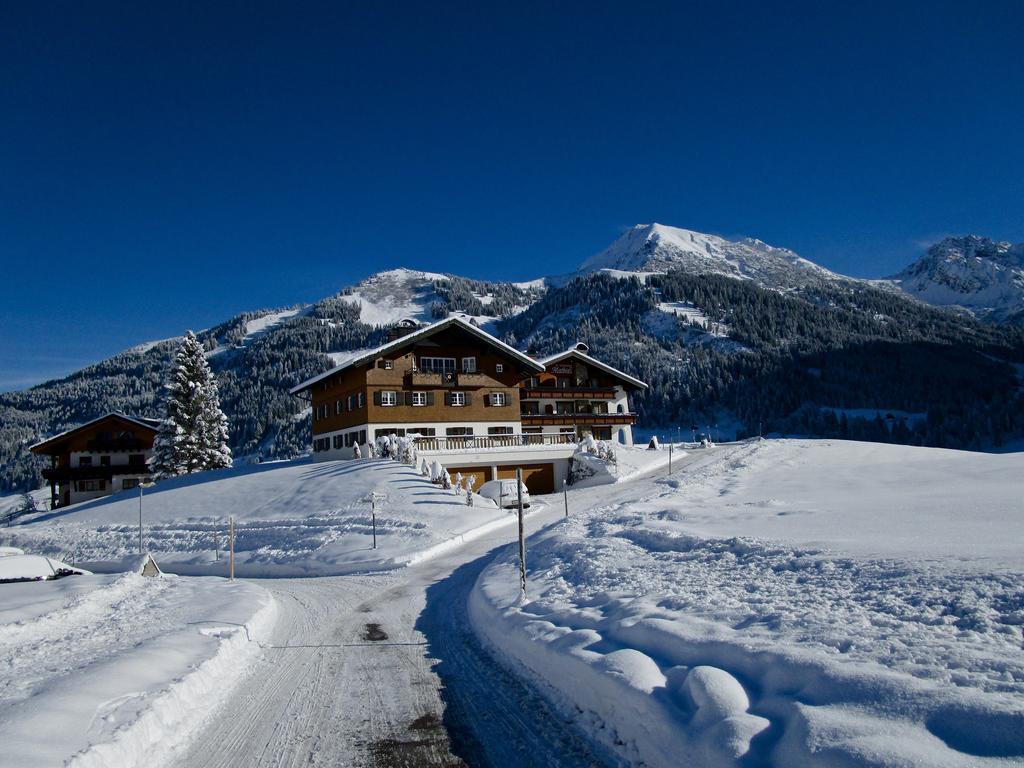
(737, 331)
(973, 273)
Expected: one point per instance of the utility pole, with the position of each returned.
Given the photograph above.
(522, 538)
(565, 495)
(231, 544)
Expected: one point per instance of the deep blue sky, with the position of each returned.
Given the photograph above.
(165, 168)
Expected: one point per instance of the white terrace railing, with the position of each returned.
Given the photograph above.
(484, 442)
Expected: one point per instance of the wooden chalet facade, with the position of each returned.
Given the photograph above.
(462, 392)
(101, 457)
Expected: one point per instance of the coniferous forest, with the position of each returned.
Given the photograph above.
(764, 361)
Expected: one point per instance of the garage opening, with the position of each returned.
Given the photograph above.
(482, 474)
(538, 478)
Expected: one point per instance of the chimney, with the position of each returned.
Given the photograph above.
(402, 328)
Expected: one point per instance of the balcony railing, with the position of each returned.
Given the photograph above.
(483, 442)
(568, 393)
(565, 419)
(98, 472)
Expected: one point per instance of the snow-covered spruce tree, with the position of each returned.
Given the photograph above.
(193, 436)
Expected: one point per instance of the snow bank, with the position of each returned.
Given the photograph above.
(676, 647)
(108, 670)
(291, 518)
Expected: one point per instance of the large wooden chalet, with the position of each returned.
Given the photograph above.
(461, 391)
(101, 457)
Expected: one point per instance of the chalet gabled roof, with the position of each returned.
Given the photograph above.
(585, 358)
(141, 421)
(365, 356)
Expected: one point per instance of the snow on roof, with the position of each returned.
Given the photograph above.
(142, 421)
(574, 352)
(422, 333)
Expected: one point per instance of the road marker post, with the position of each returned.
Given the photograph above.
(231, 544)
(522, 537)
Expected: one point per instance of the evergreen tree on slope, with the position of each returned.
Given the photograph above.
(193, 435)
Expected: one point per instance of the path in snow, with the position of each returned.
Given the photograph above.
(383, 670)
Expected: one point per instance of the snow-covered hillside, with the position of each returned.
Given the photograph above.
(292, 518)
(388, 297)
(658, 248)
(975, 273)
(783, 603)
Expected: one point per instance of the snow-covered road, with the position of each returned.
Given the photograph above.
(383, 670)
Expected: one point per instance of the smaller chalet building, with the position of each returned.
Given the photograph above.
(101, 457)
(466, 396)
(577, 394)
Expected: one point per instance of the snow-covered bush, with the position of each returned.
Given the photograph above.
(371, 450)
(436, 470)
(425, 469)
(356, 453)
(405, 451)
(470, 482)
(458, 483)
(446, 481)
(579, 470)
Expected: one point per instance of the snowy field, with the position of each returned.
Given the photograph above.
(119, 670)
(291, 519)
(783, 603)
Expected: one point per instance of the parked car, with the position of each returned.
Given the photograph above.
(503, 493)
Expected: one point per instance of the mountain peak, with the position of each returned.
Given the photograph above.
(658, 247)
(976, 273)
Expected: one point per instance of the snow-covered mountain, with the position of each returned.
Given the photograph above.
(978, 274)
(659, 248)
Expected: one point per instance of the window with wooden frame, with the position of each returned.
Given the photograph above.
(388, 397)
(419, 398)
(499, 368)
(388, 365)
(456, 399)
(499, 399)
(437, 364)
(469, 365)
(361, 400)
(459, 431)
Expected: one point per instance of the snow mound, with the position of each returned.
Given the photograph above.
(120, 670)
(661, 626)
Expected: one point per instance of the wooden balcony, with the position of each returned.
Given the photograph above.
(487, 442)
(574, 419)
(568, 393)
(68, 474)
